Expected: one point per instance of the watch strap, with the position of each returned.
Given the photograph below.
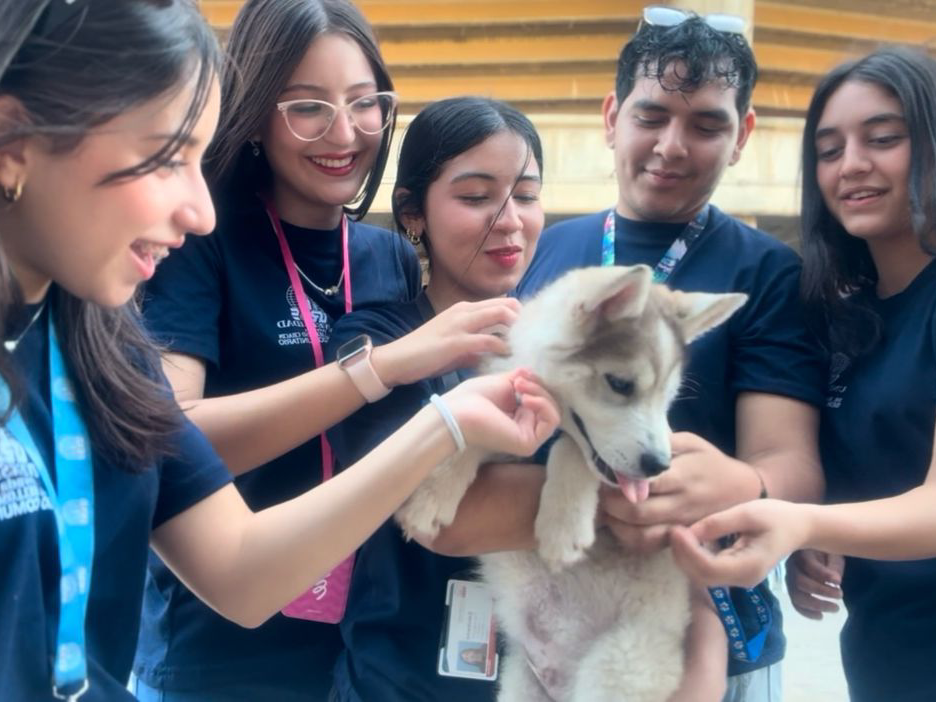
(359, 368)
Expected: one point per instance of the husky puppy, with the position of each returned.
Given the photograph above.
(584, 621)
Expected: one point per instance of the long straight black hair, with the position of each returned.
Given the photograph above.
(267, 42)
(73, 67)
(444, 130)
(837, 265)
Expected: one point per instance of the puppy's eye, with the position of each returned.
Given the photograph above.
(621, 386)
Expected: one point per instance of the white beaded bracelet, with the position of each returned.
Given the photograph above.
(450, 422)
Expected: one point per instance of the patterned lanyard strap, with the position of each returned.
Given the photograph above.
(292, 271)
(677, 250)
(741, 647)
(71, 498)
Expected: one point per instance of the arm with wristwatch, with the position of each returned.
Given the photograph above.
(247, 565)
(251, 428)
(354, 358)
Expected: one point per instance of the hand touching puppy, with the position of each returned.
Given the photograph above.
(701, 480)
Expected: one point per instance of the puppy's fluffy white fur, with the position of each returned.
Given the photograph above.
(584, 621)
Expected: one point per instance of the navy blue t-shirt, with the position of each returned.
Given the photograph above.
(227, 300)
(128, 506)
(764, 347)
(396, 610)
(877, 441)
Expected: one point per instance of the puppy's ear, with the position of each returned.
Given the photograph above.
(697, 312)
(619, 292)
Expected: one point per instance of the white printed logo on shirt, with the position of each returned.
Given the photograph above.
(21, 490)
(292, 330)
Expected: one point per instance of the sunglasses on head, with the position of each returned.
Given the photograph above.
(663, 16)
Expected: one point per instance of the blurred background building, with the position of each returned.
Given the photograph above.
(555, 59)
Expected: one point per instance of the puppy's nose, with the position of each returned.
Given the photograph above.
(651, 465)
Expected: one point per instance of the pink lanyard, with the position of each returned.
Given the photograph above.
(301, 299)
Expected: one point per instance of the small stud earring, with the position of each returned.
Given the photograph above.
(12, 195)
(255, 147)
(413, 236)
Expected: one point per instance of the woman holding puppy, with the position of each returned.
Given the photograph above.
(869, 222)
(468, 185)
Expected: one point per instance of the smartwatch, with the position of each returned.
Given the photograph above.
(354, 359)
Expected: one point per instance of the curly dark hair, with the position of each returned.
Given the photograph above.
(697, 54)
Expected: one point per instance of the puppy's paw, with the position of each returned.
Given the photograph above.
(432, 507)
(419, 515)
(446, 509)
(563, 542)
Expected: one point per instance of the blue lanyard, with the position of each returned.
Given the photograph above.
(740, 647)
(673, 255)
(73, 505)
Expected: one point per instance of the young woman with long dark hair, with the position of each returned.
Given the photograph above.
(869, 221)
(467, 187)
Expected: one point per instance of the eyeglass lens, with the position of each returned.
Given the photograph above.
(310, 119)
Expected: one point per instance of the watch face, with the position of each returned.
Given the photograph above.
(353, 349)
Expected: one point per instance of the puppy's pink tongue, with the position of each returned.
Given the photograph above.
(634, 490)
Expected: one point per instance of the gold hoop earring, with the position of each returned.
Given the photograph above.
(12, 195)
(413, 236)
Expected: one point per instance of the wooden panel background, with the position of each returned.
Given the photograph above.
(559, 56)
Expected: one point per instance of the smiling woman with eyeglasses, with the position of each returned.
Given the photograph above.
(310, 120)
(306, 122)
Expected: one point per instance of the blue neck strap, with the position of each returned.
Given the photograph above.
(673, 255)
(73, 504)
(740, 646)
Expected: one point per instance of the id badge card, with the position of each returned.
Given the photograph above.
(469, 637)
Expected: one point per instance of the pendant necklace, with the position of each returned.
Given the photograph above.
(327, 292)
(11, 344)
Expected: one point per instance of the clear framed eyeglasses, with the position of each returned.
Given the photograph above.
(663, 16)
(309, 120)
